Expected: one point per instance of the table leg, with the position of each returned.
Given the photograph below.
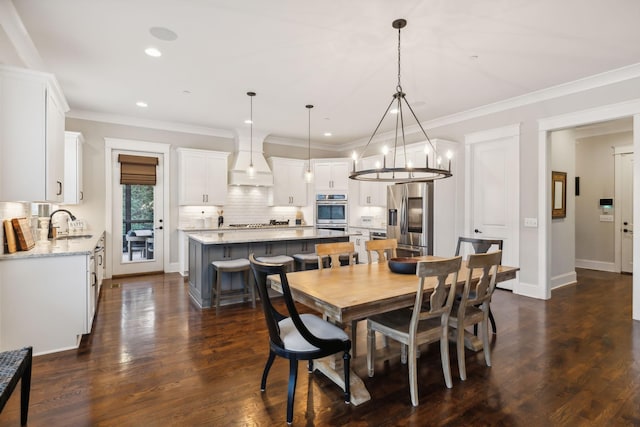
(332, 367)
(130, 253)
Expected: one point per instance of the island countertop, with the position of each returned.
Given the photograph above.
(269, 235)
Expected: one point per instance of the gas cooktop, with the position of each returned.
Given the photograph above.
(271, 223)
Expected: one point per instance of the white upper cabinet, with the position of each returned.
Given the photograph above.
(73, 189)
(372, 193)
(289, 187)
(32, 111)
(331, 175)
(202, 177)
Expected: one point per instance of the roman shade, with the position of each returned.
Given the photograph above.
(140, 170)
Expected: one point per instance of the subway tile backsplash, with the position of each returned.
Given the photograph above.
(245, 205)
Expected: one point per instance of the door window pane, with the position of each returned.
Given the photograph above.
(137, 222)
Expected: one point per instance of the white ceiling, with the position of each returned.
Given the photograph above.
(339, 55)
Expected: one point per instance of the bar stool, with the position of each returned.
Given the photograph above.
(15, 365)
(310, 260)
(232, 266)
(278, 259)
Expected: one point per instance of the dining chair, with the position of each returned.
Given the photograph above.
(384, 248)
(480, 246)
(335, 251)
(297, 336)
(474, 304)
(428, 322)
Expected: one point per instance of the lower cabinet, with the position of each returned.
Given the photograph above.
(359, 244)
(46, 302)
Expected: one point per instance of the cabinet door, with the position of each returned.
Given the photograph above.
(340, 175)
(216, 191)
(193, 173)
(73, 191)
(322, 172)
(373, 193)
(297, 185)
(54, 147)
(332, 176)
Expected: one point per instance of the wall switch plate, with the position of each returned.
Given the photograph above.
(531, 222)
(606, 218)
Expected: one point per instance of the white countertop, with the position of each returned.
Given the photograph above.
(59, 247)
(227, 229)
(262, 235)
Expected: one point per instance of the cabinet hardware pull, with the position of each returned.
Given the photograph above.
(477, 231)
(82, 195)
(59, 188)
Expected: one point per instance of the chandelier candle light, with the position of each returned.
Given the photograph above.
(407, 172)
(251, 171)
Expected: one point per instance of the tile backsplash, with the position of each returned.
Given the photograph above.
(245, 205)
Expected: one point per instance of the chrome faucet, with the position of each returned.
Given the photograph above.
(50, 232)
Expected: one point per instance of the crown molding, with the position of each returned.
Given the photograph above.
(592, 82)
(151, 124)
(295, 142)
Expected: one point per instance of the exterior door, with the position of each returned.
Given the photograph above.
(137, 237)
(626, 213)
(492, 193)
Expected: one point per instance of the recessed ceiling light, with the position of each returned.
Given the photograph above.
(163, 33)
(152, 51)
(142, 104)
(248, 121)
(328, 134)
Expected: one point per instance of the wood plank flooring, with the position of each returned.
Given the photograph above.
(155, 360)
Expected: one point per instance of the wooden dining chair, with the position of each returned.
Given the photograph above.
(428, 321)
(474, 304)
(481, 246)
(334, 251)
(384, 248)
(296, 336)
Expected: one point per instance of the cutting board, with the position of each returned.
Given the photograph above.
(23, 230)
(10, 236)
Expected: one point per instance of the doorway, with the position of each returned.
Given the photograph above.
(624, 213)
(137, 206)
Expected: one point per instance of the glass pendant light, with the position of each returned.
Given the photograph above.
(251, 171)
(308, 175)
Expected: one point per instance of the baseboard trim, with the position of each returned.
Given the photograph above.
(530, 290)
(597, 265)
(563, 280)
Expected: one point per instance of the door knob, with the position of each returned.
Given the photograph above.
(159, 228)
(477, 231)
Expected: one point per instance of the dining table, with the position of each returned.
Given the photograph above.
(357, 291)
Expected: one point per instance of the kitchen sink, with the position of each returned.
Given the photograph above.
(74, 236)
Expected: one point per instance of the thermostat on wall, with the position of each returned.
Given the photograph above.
(606, 203)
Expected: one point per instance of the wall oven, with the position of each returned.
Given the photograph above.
(331, 211)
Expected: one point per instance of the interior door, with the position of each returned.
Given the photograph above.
(137, 237)
(494, 196)
(626, 212)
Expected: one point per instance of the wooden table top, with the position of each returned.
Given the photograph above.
(361, 290)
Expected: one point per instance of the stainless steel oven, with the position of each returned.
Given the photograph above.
(331, 211)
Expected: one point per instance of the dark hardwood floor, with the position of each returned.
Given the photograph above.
(155, 360)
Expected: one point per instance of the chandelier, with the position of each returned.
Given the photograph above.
(407, 172)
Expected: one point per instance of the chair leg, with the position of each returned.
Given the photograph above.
(413, 373)
(444, 356)
(403, 354)
(460, 350)
(265, 373)
(293, 377)
(310, 366)
(25, 388)
(347, 379)
(371, 350)
(492, 320)
(485, 339)
(218, 290)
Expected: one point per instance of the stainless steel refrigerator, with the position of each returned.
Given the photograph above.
(410, 217)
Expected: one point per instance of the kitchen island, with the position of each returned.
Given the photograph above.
(208, 246)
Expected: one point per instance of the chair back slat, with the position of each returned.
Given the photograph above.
(441, 298)
(480, 246)
(477, 292)
(385, 248)
(334, 250)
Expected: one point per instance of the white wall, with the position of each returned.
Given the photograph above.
(595, 167)
(563, 239)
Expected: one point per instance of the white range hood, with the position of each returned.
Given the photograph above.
(243, 156)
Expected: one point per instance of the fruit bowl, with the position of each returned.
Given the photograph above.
(403, 265)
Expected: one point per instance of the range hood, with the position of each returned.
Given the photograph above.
(244, 153)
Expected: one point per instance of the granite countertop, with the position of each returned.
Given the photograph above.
(60, 247)
(263, 235)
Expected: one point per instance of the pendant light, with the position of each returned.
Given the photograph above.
(251, 171)
(406, 172)
(308, 175)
